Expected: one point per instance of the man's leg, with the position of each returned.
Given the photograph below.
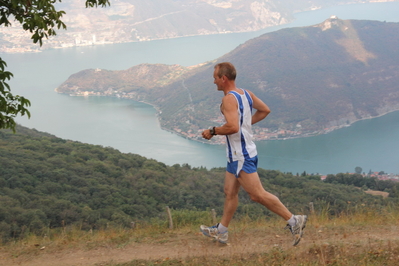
(219, 231)
(252, 185)
(231, 188)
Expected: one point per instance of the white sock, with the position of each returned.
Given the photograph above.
(221, 228)
(292, 221)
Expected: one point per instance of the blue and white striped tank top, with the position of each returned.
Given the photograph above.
(240, 145)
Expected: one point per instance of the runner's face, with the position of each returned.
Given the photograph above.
(218, 81)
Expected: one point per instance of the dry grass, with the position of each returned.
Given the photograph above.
(367, 237)
(377, 193)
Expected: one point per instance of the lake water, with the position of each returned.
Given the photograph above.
(132, 126)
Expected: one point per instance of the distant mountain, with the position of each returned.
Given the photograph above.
(143, 20)
(315, 79)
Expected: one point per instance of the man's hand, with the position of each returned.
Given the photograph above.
(206, 134)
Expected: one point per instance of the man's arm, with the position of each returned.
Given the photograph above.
(262, 110)
(229, 109)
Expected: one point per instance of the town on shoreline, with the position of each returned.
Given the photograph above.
(259, 133)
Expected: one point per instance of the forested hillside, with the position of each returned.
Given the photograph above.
(48, 182)
(315, 79)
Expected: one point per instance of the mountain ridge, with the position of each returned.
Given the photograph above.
(315, 79)
(137, 20)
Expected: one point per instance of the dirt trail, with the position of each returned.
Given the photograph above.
(195, 244)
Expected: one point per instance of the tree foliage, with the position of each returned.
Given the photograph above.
(358, 170)
(47, 182)
(40, 18)
(10, 105)
(368, 182)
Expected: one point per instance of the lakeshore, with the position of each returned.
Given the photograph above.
(259, 134)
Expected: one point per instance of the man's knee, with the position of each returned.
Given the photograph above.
(262, 196)
(228, 194)
(255, 197)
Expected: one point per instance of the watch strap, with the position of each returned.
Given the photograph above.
(213, 131)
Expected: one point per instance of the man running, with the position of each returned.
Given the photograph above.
(242, 157)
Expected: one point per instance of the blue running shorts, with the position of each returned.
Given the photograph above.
(249, 166)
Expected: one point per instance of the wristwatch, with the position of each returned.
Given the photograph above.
(213, 131)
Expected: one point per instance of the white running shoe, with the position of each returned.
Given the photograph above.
(214, 232)
(297, 229)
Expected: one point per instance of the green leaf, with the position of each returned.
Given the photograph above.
(39, 17)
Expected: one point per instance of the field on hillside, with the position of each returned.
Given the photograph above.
(369, 237)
